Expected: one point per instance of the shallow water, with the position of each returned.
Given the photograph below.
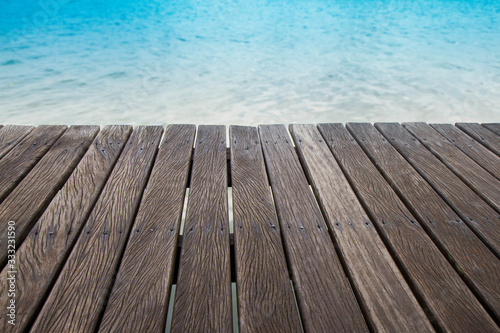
(242, 62)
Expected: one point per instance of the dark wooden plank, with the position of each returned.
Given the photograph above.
(24, 156)
(482, 135)
(325, 299)
(10, 135)
(480, 154)
(494, 127)
(474, 211)
(42, 254)
(79, 294)
(145, 276)
(203, 294)
(481, 181)
(451, 303)
(388, 301)
(265, 296)
(467, 252)
(28, 200)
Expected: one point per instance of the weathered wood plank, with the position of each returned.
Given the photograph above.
(139, 299)
(494, 127)
(480, 154)
(28, 200)
(467, 252)
(473, 210)
(42, 254)
(371, 267)
(79, 294)
(203, 294)
(21, 159)
(10, 135)
(482, 135)
(326, 301)
(481, 181)
(451, 303)
(265, 296)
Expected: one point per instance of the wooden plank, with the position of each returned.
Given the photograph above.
(265, 296)
(482, 135)
(371, 267)
(79, 294)
(29, 199)
(494, 127)
(467, 252)
(325, 299)
(42, 254)
(24, 156)
(10, 135)
(451, 303)
(481, 181)
(203, 294)
(145, 276)
(474, 211)
(480, 154)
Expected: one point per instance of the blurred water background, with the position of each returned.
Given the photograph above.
(248, 62)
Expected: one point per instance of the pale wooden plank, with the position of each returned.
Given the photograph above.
(325, 299)
(481, 181)
(145, 276)
(451, 303)
(265, 296)
(79, 294)
(10, 135)
(466, 251)
(42, 254)
(203, 294)
(482, 135)
(494, 127)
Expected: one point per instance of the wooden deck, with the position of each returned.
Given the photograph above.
(330, 228)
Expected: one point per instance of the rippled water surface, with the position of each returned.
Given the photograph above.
(248, 62)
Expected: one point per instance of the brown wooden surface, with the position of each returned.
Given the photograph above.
(326, 301)
(28, 200)
(370, 265)
(10, 135)
(481, 181)
(453, 306)
(482, 135)
(79, 294)
(203, 294)
(474, 211)
(24, 156)
(467, 252)
(494, 127)
(265, 296)
(479, 153)
(45, 249)
(139, 299)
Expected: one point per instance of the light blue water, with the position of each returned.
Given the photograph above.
(248, 62)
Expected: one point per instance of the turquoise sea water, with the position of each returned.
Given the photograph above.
(248, 62)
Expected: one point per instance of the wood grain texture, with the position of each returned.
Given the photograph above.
(79, 294)
(29, 199)
(24, 156)
(468, 253)
(474, 211)
(42, 254)
(139, 299)
(265, 296)
(326, 301)
(494, 127)
(203, 294)
(387, 299)
(480, 154)
(10, 135)
(452, 304)
(482, 135)
(481, 181)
